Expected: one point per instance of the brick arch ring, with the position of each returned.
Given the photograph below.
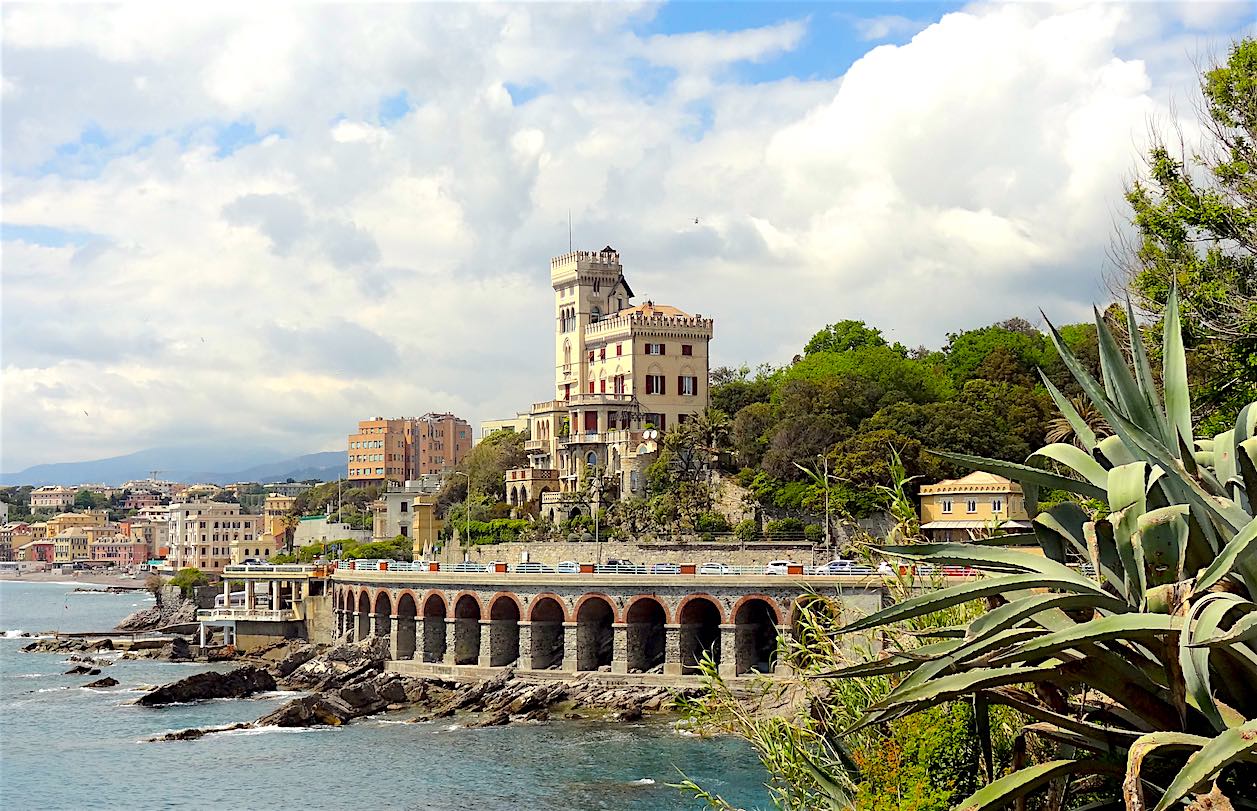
(745, 598)
(654, 598)
(532, 604)
(452, 606)
(509, 595)
(440, 594)
(689, 598)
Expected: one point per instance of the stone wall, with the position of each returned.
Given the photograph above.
(250, 635)
(730, 554)
(320, 619)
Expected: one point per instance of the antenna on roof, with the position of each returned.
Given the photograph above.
(569, 230)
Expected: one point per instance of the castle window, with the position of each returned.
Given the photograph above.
(619, 350)
(971, 505)
(595, 314)
(687, 349)
(687, 385)
(947, 505)
(997, 505)
(655, 384)
(654, 349)
(602, 353)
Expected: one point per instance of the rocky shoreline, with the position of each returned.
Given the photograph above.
(344, 682)
(348, 681)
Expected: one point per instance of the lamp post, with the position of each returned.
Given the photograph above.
(467, 515)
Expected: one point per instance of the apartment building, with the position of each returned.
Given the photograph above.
(71, 545)
(152, 533)
(13, 536)
(624, 373)
(64, 521)
(52, 497)
(398, 449)
(201, 533)
(960, 509)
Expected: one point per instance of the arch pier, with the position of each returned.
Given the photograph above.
(440, 623)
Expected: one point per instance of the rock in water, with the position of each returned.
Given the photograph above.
(238, 683)
(176, 650)
(108, 681)
(82, 670)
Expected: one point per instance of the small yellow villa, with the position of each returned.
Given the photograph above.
(959, 509)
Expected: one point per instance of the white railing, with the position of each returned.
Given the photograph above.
(260, 614)
(267, 568)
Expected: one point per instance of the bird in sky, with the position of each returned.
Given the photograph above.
(85, 414)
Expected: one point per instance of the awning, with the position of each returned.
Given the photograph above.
(975, 525)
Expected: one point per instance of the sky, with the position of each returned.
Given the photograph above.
(251, 225)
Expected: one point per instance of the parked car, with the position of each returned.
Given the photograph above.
(840, 566)
(715, 568)
(568, 567)
(779, 566)
(665, 568)
(467, 566)
(619, 562)
(253, 562)
(533, 568)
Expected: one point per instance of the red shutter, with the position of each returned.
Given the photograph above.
(650, 384)
(663, 349)
(680, 384)
(663, 385)
(602, 386)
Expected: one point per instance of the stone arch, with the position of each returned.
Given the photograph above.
(407, 609)
(645, 617)
(363, 615)
(435, 612)
(546, 615)
(504, 616)
(383, 613)
(700, 619)
(595, 639)
(755, 618)
(467, 615)
(595, 595)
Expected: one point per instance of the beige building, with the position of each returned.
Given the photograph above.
(960, 509)
(201, 534)
(52, 497)
(90, 518)
(408, 511)
(274, 518)
(399, 449)
(520, 424)
(70, 545)
(623, 374)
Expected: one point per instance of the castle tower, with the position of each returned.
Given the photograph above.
(588, 287)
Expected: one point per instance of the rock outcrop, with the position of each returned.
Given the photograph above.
(83, 670)
(238, 683)
(108, 681)
(57, 644)
(341, 665)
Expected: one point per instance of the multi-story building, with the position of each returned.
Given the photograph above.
(621, 371)
(960, 509)
(70, 545)
(141, 499)
(275, 512)
(286, 488)
(201, 533)
(159, 486)
(403, 448)
(64, 521)
(409, 511)
(12, 536)
(52, 497)
(152, 533)
(520, 424)
(41, 549)
(118, 550)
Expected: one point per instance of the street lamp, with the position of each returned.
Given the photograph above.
(467, 516)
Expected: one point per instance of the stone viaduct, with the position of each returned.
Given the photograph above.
(570, 623)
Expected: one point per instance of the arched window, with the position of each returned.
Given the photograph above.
(595, 315)
(591, 459)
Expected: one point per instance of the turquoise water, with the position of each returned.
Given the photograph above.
(66, 747)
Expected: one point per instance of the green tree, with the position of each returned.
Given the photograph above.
(1195, 218)
(188, 580)
(846, 335)
(1013, 355)
(734, 389)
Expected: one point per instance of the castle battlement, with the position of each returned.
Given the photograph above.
(608, 258)
(656, 323)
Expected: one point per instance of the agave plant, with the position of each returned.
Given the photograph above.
(1141, 666)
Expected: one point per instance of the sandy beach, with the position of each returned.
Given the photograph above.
(77, 578)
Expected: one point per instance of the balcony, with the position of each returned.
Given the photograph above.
(601, 438)
(536, 445)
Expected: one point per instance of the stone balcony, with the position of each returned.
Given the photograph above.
(252, 614)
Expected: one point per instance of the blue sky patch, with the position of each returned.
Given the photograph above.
(523, 93)
(394, 107)
(45, 235)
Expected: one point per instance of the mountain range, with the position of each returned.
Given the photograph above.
(190, 464)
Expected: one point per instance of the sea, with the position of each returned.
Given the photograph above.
(65, 746)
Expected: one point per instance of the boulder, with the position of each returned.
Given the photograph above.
(177, 650)
(105, 682)
(238, 683)
(56, 645)
(295, 659)
(308, 711)
(101, 644)
(83, 670)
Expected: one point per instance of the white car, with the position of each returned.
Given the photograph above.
(568, 567)
(779, 566)
(715, 568)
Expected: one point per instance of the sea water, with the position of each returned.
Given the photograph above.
(63, 746)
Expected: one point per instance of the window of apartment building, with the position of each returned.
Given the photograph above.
(619, 350)
(655, 384)
(405, 507)
(602, 386)
(591, 387)
(655, 349)
(619, 384)
(947, 505)
(602, 353)
(997, 505)
(591, 356)
(567, 391)
(971, 505)
(687, 385)
(687, 349)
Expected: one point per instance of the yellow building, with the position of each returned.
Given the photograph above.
(70, 545)
(960, 509)
(274, 514)
(620, 370)
(91, 518)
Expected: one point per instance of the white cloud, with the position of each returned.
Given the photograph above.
(275, 292)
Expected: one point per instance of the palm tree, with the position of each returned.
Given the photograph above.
(1060, 429)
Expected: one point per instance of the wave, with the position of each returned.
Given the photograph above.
(31, 675)
(266, 730)
(20, 633)
(645, 781)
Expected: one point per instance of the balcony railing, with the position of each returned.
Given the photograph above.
(256, 614)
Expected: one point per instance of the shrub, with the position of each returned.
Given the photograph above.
(813, 532)
(747, 530)
(188, 579)
(784, 528)
(711, 522)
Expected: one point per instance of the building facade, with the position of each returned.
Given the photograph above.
(964, 508)
(399, 449)
(623, 375)
(520, 424)
(201, 533)
(52, 497)
(409, 511)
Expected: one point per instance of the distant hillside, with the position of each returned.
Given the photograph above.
(187, 464)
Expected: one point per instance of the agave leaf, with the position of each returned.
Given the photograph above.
(1231, 746)
(1023, 474)
(1102, 549)
(1246, 462)
(1022, 782)
(1127, 501)
(1081, 430)
(1119, 383)
(1178, 407)
(1112, 737)
(1244, 630)
(1119, 626)
(1068, 521)
(932, 601)
(1243, 545)
(992, 558)
(1011, 540)
(837, 797)
(1077, 460)
(966, 683)
(1202, 622)
(970, 649)
(1011, 613)
(1132, 787)
(1163, 542)
(1115, 450)
(1224, 462)
(1143, 369)
(896, 662)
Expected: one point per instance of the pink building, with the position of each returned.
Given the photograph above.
(120, 551)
